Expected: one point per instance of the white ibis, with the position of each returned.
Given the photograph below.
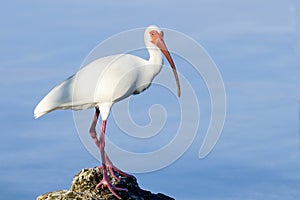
(104, 82)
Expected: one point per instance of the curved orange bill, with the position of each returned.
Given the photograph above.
(161, 44)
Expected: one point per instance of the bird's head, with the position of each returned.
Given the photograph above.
(154, 38)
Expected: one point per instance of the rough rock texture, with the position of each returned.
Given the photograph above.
(84, 188)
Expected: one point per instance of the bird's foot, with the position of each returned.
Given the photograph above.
(113, 170)
(105, 183)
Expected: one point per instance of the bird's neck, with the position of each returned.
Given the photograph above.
(155, 60)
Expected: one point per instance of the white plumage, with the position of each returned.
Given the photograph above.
(106, 80)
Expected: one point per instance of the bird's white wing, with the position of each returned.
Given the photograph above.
(108, 79)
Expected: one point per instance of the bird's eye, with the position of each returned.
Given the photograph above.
(152, 33)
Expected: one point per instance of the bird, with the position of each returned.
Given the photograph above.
(102, 83)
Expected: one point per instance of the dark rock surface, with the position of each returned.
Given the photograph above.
(84, 188)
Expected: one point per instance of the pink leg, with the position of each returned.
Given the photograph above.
(93, 132)
(105, 180)
(110, 166)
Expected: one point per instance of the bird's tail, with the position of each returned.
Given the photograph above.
(59, 97)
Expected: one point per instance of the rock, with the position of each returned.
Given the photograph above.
(84, 188)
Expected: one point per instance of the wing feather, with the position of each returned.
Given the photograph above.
(108, 79)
